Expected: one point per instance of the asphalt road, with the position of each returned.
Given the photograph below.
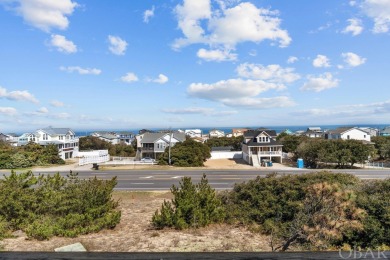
(152, 180)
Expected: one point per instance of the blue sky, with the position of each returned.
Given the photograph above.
(196, 63)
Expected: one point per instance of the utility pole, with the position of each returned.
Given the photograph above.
(169, 147)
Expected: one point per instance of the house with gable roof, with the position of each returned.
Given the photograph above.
(259, 145)
(153, 144)
(347, 133)
(64, 138)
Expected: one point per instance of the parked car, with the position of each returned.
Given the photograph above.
(147, 159)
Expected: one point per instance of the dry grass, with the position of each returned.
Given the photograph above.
(135, 234)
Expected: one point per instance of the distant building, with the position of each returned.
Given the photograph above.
(348, 133)
(371, 131)
(153, 144)
(193, 132)
(385, 131)
(215, 133)
(313, 132)
(115, 137)
(238, 131)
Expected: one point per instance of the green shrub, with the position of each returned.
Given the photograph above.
(192, 206)
(47, 206)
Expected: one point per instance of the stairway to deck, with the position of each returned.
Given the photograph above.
(255, 161)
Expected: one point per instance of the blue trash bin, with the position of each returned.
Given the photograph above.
(300, 163)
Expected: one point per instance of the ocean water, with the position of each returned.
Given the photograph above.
(205, 130)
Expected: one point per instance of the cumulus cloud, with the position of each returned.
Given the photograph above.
(379, 11)
(82, 71)
(292, 59)
(44, 14)
(355, 27)
(239, 93)
(56, 103)
(162, 79)
(62, 44)
(8, 111)
(148, 14)
(227, 26)
(17, 95)
(199, 110)
(129, 78)
(321, 61)
(43, 110)
(352, 59)
(271, 73)
(216, 55)
(117, 46)
(320, 83)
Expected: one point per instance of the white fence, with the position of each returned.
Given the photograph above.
(94, 159)
(226, 155)
(95, 156)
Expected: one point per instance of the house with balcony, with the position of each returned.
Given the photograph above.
(347, 133)
(154, 144)
(261, 145)
(64, 138)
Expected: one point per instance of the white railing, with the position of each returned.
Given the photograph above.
(94, 159)
(270, 153)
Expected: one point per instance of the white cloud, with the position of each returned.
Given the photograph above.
(199, 110)
(56, 103)
(227, 26)
(17, 95)
(129, 77)
(353, 59)
(43, 110)
(355, 27)
(8, 111)
(292, 59)
(117, 45)
(321, 61)
(148, 14)
(379, 11)
(272, 73)
(82, 71)
(62, 44)
(45, 14)
(216, 55)
(162, 79)
(320, 83)
(60, 116)
(239, 93)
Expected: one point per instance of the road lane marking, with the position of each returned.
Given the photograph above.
(177, 177)
(147, 177)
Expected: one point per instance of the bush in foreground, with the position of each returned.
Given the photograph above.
(47, 206)
(193, 206)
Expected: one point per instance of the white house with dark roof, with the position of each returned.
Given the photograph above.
(347, 133)
(259, 145)
(193, 132)
(153, 144)
(64, 138)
